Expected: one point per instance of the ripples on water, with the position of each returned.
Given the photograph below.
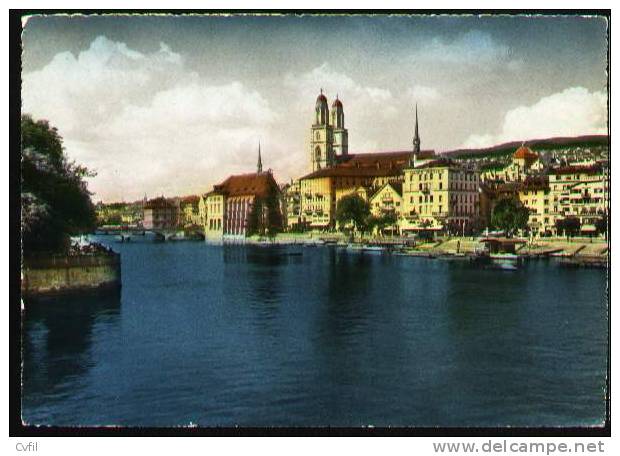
(251, 336)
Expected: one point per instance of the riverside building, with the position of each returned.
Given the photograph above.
(161, 214)
(581, 192)
(229, 204)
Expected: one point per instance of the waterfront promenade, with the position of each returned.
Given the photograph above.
(576, 248)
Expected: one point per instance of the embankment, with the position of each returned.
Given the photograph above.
(67, 274)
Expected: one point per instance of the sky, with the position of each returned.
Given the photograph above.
(170, 105)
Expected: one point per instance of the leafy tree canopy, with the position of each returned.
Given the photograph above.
(601, 224)
(352, 209)
(265, 217)
(570, 226)
(55, 201)
(509, 215)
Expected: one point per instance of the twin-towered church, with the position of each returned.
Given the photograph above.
(329, 137)
(415, 185)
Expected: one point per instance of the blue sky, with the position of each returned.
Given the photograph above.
(171, 105)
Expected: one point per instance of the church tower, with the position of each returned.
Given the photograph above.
(321, 139)
(416, 139)
(341, 135)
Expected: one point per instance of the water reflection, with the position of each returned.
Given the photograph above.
(244, 335)
(58, 334)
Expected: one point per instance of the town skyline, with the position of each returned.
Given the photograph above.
(174, 122)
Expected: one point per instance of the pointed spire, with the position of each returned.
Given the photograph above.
(321, 90)
(259, 166)
(416, 135)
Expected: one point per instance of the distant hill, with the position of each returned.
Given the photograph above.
(549, 143)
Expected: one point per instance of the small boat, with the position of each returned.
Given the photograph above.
(505, 256)
(372, 248)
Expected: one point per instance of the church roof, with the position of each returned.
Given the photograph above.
(365, 165)
(524, 152)
(251, 184)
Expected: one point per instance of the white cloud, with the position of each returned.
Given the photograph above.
(423, 94)
(572, 112)
(144, 122)
(366, 108)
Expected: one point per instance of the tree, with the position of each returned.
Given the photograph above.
(601, 225)
(509, 215)
(265, 217)
(570, 226)
(55, 201)
(352, 209)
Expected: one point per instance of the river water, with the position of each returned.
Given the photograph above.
(251, 336)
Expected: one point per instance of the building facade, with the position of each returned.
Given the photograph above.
(440, 195)
(190, 211)
(161, 214)
(581, 192)
(534, 194)
(229, 205)
(524, 163)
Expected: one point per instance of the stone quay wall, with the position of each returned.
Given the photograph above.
(50, 275)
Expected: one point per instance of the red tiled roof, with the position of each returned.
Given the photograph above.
(256, 184)
(524, 152)
(367, 165)
(192, 199)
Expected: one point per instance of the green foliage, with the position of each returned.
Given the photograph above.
(265, 217)
(509, 149)
(509, 215)
(111, 219)
(569, 226)
(385, 220)
(601, 225)
(55, 201)
(352, 210)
